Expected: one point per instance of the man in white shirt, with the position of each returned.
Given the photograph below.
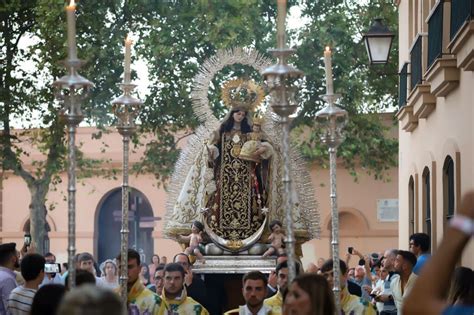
(401, 286)
(21, 298)
(254, 291)
(51, 277)
(86, 262)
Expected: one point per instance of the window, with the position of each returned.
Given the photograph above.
(411, 205)
(448, 188)
(427, 201)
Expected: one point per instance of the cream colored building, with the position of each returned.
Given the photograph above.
(436, 115)
(98, 209)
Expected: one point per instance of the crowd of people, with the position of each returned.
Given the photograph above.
(391, 282)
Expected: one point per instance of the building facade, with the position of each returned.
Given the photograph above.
(436, 133)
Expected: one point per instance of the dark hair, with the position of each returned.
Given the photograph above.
(227, 125)
(159, 268)
(155, 255)
(284, 264)
(65, 266)
(408, 256)
(275, 222)
(31, 266)
(422, 240)
(199, 225)
(90, 299)
(85, 257)
(182, 254)
(462, 287)
(147, 273)
(47, 299)
(255, 275)
(132, 254)
(48, 254)
(171, 267)
(328, 265)
(320, 294)
(6, 254)
(82, 277)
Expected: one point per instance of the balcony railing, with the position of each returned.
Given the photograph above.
(402, 93)
(415, 60)
(435, 34)
(461, 11)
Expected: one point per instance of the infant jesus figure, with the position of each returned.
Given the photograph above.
(276, 238)
(194, 239)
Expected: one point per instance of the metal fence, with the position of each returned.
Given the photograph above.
(415, 61)
(402, 92)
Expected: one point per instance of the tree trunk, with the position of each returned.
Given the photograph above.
(38, 217)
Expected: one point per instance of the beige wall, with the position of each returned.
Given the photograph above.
(447, 130)
(357, 203)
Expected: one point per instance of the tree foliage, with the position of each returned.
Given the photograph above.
(366, 90)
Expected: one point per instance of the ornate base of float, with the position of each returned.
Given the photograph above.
(235, 264)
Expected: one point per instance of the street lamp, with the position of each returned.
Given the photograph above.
(72, 89)
(332, 120)
(378, 41)
(126, 109)
(282, 81)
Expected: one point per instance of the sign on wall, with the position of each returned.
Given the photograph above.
(387, 210)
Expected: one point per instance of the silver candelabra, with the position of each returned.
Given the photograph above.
(332, 120)
(282, 79)
(71, 89)
(126, 109)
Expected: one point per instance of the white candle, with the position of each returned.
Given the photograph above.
(128, 54)
(328, 70)
(71, 30)
(281, 17)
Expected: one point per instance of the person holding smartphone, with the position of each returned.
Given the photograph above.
(52, 273)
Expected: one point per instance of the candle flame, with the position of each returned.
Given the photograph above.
(72, 3)
(328, 48)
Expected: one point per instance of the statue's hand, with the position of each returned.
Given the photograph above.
(261, 150)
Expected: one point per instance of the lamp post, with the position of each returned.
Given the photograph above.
(282, 80)
(332, 120)
(126, 109)
(378, 41)
(72, 89)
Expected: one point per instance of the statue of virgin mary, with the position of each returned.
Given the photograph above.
(235, 191)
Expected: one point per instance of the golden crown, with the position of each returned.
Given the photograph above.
(242, 94)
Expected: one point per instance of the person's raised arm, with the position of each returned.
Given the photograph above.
(432, 284)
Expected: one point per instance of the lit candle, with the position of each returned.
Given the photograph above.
(328, 69)
(128, 53)
(281, 17)
(71, 30)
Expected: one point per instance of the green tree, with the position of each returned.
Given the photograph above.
(366, 90)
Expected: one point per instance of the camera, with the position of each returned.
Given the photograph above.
(350, 249)
(52, 268)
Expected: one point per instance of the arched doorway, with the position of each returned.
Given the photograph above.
(109, 224)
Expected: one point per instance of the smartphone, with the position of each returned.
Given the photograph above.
(350, 249)
(52, 268)
(27, 239)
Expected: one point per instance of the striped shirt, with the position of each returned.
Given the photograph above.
(20, 300)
